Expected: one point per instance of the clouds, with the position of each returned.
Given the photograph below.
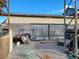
(59, 11)
(62, 10)
(69, 6)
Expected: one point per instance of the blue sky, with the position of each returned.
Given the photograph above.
(47, 7)
(36, 6)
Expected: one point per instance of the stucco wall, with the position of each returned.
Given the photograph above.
(21, 23)
(4, 46)
(29, 20)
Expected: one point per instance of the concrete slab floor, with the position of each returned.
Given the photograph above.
(35, 50)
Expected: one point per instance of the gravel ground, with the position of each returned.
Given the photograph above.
(35, 50)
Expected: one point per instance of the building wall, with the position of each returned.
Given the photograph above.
(33, 26)
(32, 20)
(4, 46)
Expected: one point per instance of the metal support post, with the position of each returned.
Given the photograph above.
(76, 45)
(49, 31)
(64, 23)
(9, 14)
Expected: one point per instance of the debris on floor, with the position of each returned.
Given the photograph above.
(36, 50)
